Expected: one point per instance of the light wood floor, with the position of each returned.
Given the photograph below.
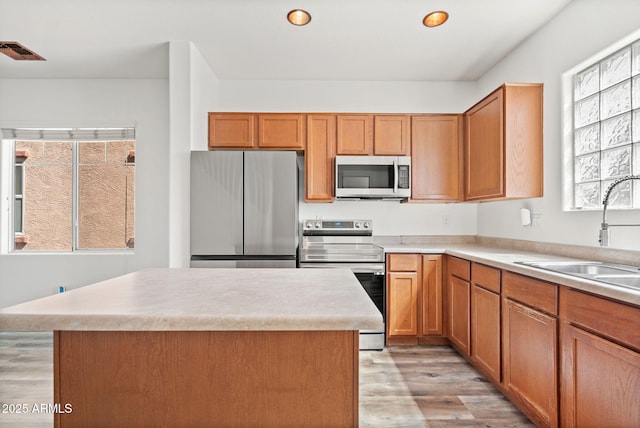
(399, 387)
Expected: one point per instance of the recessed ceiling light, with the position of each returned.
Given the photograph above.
(299, 17)
(435, 18)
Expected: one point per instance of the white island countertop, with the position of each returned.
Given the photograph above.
(205, 299)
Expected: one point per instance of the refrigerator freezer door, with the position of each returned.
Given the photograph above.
(270, 203)
(216, 203)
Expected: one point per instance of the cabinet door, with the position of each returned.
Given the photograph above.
(232, 131)
(600, 382)
(485, 331)
(529, 339)
(459, 305)
(402, 298)
(281, 131)
(431, 296)
(319, 158)
(484, 148)
(436, 158)
(355, 135)
(391, 135)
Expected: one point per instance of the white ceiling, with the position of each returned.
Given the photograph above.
(251, 39)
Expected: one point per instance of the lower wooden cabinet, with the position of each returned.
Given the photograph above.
(530, 347)
(414, 299)
(600, 362)
(485, 320)
(432, 298)
(562, 356)
(402, 304)
(459, 304)
(600, 382)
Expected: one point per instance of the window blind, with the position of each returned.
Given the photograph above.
(69, 134)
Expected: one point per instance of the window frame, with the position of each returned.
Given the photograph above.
(14, 236)
(571, 158)
(16, 197)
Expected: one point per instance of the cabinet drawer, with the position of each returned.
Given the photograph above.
(532, 292)
(614, 320)
(459, 267)
(403, 262)
(486, 277)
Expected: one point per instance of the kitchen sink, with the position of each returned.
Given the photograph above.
(632, 281)
(622, 275)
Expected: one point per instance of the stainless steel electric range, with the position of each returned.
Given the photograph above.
(326, 244)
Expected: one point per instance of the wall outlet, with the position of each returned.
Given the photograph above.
(445, 220)
(536, 220)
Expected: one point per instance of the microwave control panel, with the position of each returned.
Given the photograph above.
(403, 176)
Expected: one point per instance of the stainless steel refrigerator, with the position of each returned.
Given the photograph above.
(244, 208)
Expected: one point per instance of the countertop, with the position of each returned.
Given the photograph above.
(205, 299)
(506, 258)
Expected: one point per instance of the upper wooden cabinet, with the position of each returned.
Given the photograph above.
(319, 158)
(232, 131)
(281, 131)
(366, 134)
(436, 157)
(355, 134)
(503, 144)
(391, 135)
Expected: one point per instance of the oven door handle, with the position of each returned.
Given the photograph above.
(365, 270)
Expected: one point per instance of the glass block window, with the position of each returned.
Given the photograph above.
(606, 130)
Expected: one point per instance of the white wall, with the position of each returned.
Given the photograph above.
(390, 218)
(94, 103)
(346, 96)
(193, 92)
(581, 30)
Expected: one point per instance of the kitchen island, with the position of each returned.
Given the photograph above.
(205, 347)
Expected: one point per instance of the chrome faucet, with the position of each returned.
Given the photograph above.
(604, 227)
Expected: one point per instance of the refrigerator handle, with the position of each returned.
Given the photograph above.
(395, 176)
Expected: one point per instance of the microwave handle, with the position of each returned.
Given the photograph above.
(395, 176)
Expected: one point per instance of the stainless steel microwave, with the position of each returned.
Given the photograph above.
(373, 177)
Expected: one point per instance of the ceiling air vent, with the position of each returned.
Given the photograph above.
(18, 52)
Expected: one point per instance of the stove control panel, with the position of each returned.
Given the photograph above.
(344, 226)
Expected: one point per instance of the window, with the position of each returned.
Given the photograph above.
(606, 130)
(73, 190)
(18, 224)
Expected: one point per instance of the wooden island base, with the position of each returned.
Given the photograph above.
(206, 378)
